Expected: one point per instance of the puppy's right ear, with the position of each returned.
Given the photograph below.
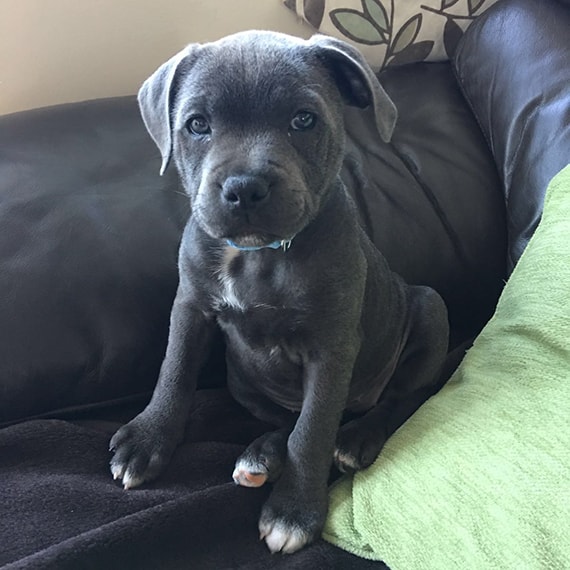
(155, 99)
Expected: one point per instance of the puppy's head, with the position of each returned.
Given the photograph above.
(254, 123)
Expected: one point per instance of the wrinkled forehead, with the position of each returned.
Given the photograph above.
(252, 78)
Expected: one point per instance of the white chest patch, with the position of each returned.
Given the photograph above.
(228, 296)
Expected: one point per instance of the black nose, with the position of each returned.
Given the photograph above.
(244, 191)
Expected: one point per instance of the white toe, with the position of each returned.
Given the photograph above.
(130, 481)
(285, 538)
(344, 460)
(117, 471)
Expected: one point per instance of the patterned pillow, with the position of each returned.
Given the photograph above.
(394, 32)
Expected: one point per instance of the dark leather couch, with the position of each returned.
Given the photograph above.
(88, 242)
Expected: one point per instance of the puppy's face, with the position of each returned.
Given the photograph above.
(257, 139)
(254, 123)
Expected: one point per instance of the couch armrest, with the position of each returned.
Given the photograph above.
(513, 65)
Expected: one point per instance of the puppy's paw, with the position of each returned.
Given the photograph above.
(141, 452)
(249, 474)
(357, 446)
(288, 523)
(282, 536)
(262, 461)
(345, 462)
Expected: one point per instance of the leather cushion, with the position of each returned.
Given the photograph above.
(87, 256)
(431, 199)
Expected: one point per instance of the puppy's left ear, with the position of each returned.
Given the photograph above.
(356, 81)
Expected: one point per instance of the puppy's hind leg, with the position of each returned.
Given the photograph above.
(416, 379)
(263, 460)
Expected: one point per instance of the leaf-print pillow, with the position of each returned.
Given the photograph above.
(394, 32)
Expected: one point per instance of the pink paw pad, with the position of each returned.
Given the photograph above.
(248, 479)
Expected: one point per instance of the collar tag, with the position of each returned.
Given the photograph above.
(286, 244)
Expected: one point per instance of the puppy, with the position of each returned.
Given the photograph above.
(315, 322)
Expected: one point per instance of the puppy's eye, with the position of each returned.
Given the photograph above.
(303, 121)
(198, 125)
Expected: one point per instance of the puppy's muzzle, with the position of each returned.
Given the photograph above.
(245, 192)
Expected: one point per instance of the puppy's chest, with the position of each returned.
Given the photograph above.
(255, 296)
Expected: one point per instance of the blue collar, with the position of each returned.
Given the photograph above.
(285, 244)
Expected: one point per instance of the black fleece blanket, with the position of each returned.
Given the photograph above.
(60, 508)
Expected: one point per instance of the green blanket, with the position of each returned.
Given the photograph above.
(479, 477)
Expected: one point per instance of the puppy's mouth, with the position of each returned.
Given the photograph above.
(245, 231)
(247, 235)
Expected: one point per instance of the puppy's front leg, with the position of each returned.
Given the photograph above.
(143, 447)
(295, 512)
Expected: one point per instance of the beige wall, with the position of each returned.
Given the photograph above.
(57, 51)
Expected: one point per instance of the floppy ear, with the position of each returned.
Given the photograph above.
(356, 81)
(155, 100)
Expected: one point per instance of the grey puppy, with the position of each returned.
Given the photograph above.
(315, 322)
